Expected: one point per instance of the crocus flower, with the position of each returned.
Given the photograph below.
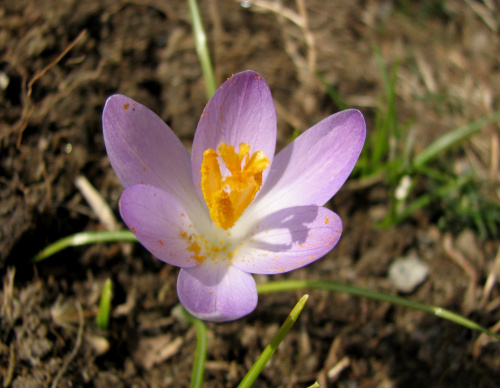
(231, 208)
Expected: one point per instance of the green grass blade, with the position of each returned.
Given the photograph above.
(386, 127)
(202, 48)
(451, 138)
(382, 70)
(84, 238)
(426, 199)
(105, 305)
(268, 352)
(332, 92)
(291, 285)
(381, 148)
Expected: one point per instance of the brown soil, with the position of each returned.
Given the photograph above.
(50, 134)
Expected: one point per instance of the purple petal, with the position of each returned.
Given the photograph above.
(143, 149)
(217, 293)
(289, 239)
(312, 169)
(160, 223)
(241, 111)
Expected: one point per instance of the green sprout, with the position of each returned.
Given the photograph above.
(105, 305)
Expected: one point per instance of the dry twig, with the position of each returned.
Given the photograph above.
(28, 108)
(300, 20)
(483, 13)
(467, 267)
(484, 340)
(74, 352)
(491, 280)
(97, 203)
(8, 296)
(12, 365)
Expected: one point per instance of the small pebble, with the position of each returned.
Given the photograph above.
(407, 273)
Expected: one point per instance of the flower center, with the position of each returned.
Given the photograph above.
(228, 196)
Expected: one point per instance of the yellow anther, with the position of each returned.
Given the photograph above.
(228, 197)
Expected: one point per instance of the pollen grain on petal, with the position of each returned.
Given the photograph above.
(207, 248)
(195, 249)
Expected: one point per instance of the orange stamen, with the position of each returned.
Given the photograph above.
(228, 197)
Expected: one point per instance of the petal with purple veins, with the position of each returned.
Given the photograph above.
(217, 292)
(143, 149)
(310, 170)
(160, 223)
(289, 239)
(241, 111)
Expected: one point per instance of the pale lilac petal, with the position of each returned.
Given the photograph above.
(143, 149)
(310, 170)
(241, 111)
(159, 222)
(217, 293)
(289, 239)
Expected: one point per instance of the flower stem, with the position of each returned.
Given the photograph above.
(200, 355)
(202, 48)
(292, 285)
(84, 238)
(268, 352)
